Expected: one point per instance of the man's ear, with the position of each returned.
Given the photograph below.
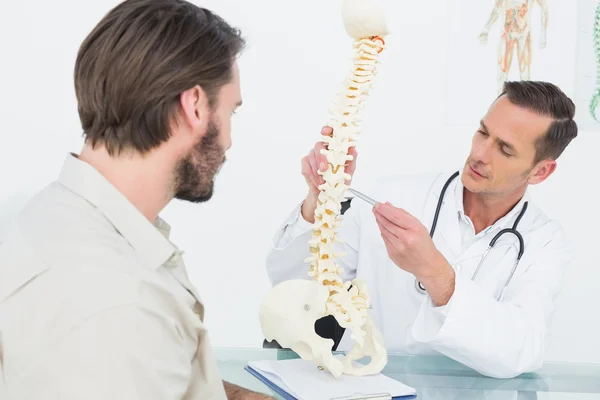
(194, 108)
(542, 171)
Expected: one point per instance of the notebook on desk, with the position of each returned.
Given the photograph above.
(298, 379)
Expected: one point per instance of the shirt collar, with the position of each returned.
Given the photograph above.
(148, 239)
(458, 196)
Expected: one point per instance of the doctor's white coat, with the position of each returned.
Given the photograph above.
(499, 338)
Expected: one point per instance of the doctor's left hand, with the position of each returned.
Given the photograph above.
(410, 247)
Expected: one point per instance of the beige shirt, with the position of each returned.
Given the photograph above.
(95, 302)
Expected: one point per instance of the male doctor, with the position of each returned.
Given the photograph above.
(425, 292)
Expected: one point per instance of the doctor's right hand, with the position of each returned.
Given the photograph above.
(315, 162)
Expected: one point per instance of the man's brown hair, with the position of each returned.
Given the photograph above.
(546, 99)
(133, 66)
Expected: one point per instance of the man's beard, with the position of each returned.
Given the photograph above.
(195, 174)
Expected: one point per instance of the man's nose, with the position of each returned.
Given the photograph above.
(482, 153)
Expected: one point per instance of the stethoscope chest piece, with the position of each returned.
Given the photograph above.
(419, 286)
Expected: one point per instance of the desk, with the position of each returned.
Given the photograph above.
(440, 378)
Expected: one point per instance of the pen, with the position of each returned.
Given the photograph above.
(363, 196)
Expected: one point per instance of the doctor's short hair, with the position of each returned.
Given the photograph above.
(548, 100)
(132, 67)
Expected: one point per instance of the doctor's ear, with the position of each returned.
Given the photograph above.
(542, 171)
(194, 108)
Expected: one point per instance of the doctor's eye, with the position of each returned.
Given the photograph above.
(507, 154)
(482, 132)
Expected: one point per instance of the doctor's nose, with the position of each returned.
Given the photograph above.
(482, 152)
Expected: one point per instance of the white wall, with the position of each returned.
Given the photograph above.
(435, 83)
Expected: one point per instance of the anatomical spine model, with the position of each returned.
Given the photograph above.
(290, 309)
(515, 35)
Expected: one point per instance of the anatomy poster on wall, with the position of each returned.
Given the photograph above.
(515, 36)
(588, 66)
(493, 41)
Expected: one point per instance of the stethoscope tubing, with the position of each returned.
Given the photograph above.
(421, 289)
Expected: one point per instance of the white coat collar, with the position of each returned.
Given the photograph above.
(448, 225)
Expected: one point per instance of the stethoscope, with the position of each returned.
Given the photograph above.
(421, 289)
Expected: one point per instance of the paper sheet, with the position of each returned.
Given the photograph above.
(303, 380)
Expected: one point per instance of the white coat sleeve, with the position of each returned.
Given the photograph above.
(289, 247)
(499, 338)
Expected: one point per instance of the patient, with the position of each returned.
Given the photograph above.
(95, 301)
